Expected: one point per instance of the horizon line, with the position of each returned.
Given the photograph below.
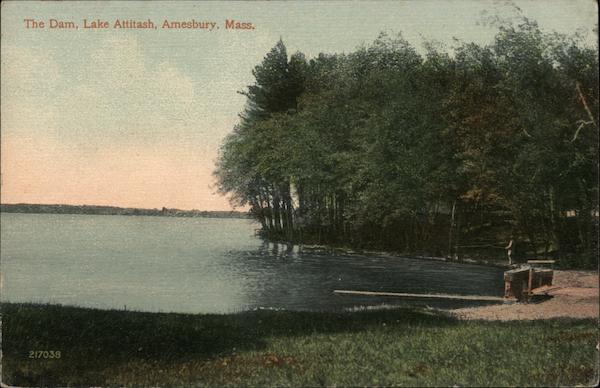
(122, 207)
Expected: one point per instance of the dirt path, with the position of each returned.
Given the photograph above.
(574, 295)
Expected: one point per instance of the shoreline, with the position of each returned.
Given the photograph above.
(574, 294)
(106, 210)
(415, 346)
(390, 255)
(401, 347)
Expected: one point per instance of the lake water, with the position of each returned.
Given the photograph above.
(205, 265)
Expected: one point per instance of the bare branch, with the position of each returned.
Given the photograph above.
(585, 105)
(581, 125)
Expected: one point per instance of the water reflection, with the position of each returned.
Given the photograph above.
(206, 265)
(288, 276)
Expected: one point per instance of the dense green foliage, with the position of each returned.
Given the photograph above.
(397, 347)
(442, 153)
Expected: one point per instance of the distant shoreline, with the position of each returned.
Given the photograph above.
(115, 210)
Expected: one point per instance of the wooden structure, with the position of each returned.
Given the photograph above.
(538, 262)
(436, 296)
(519, 283)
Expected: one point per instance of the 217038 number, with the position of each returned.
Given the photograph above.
(44, 354)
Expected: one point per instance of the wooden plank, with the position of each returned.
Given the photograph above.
(437, 296)
(530, 282)
(518, 270)
(543, 290)
(541, 261)
(516, 274)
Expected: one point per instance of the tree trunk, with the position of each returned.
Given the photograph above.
(451, 229)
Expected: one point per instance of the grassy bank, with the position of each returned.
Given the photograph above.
(389, 347)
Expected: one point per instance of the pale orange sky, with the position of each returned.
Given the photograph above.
(39, 171)
(135, 117)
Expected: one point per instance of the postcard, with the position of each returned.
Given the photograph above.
(299, 193)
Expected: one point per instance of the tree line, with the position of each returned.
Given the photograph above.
(114, 210)
(440, 152)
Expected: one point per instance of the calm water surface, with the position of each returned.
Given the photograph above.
(204, 265)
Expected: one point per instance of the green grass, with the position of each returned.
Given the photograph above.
(387, 347)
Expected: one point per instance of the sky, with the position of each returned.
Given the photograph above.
(134, 118)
